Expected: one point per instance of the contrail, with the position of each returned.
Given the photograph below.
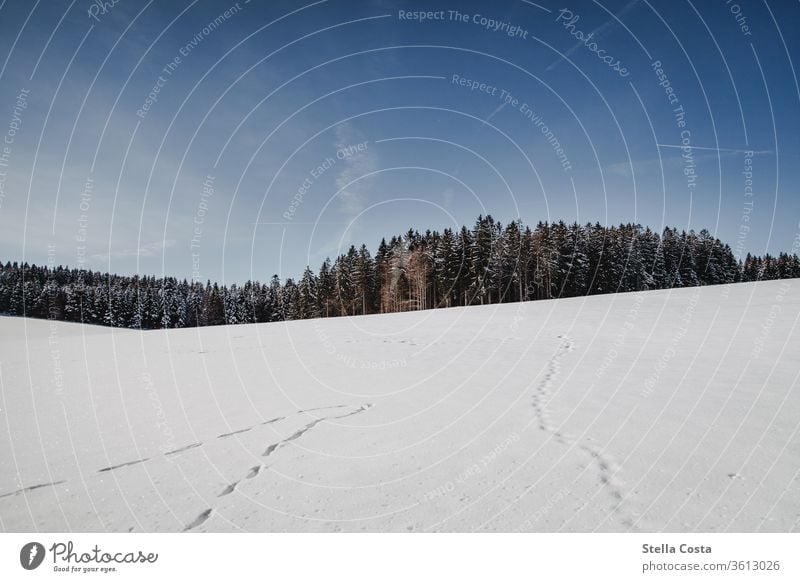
(495, 112)
(680, 147)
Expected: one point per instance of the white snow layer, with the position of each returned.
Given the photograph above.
(655, 411)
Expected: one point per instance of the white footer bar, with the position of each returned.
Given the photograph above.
(402, 557)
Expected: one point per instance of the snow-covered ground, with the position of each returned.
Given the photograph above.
(666, 410)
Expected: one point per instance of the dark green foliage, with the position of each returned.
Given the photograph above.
(488, 263)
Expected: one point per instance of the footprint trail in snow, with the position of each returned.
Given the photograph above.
(255, 471)
(605, 466)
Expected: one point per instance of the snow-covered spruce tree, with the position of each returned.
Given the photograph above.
(274, 300)
(364, 280)
(307, 297)
(545, 259)
(447, 267)
(344, 268)
(481, 266)
(214, 308)
(326, 290)
(289, 301)
(465, 249)
(511, 263)
(417, 275)
(381, 275)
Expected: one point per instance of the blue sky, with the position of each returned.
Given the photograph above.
(282, 133)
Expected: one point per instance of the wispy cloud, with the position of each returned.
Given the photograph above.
(664, 163)
(357, 163)
(146, 250)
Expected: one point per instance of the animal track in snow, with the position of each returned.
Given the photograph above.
(229, 489)
(31, 488)
(121, 465)
(361, 408)
(199, 520)
(606, 467)
(240, 431)
(254, 471)
(323, 408)
(182, 449)
(542, 395)
(303, 430)
(275, 446)
(271, 449)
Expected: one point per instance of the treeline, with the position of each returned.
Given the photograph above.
(488, 263)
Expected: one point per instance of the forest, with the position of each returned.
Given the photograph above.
(488, 263)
